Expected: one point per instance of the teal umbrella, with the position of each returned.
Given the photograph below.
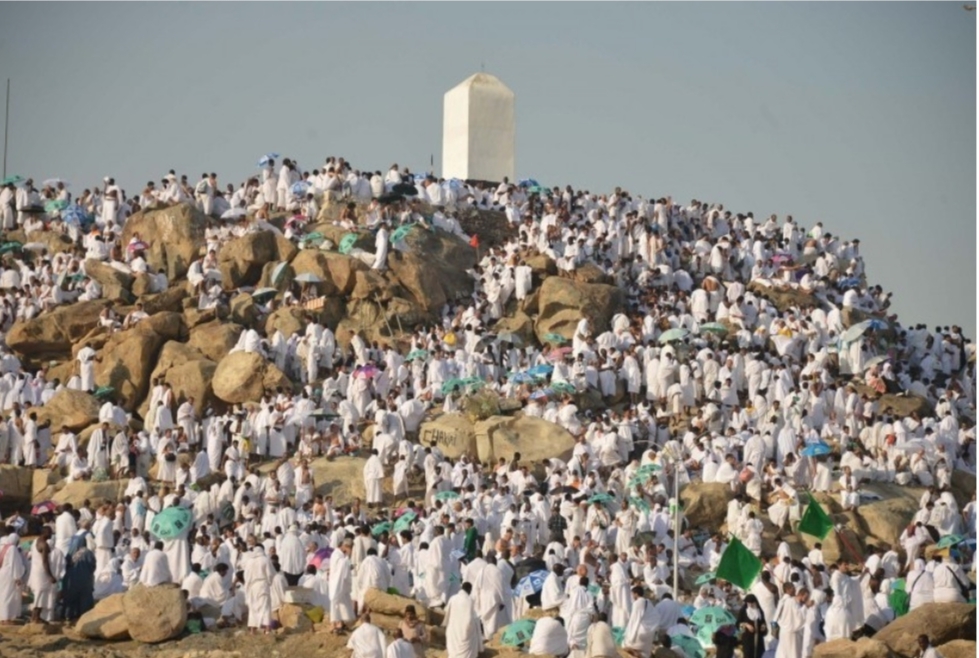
(672, 335)
(536, 189)
(404, 522)
(347, 243)
(446, 495)
(171, 522)
(639, 504)
(384, 526)
(517, 633)
(713, 328)
(712, 614)
(689, 645)
(649, 469)
(705, 578)
(55, 206)
(401, 233)
(451, 385)
(7, 247)
(950, 540)
(12, 180)
(417, 354)
(601, 498)
(314, 237)
(618, 634)
(555, 338)
(563, 387)
(104, 391)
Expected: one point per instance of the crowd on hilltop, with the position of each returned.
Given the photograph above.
(706, 373)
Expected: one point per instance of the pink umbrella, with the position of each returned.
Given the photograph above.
(558, 353)
(365, 372)
(138, 245)
(321, 556)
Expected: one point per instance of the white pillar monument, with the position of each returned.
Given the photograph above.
(478, 130)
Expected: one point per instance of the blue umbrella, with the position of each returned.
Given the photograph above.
(300, 188)
(816, 449)
(531, 583)
(521, 378)
(543, 370)
(527, 182)
(265, 159)
(852, 282)
(877, 324)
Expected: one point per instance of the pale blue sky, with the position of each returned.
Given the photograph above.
(862, 115)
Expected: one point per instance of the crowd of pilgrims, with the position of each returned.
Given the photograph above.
(736, 405)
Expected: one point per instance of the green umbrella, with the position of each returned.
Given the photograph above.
(171, 522)
(347, 243)
(712, 614)
(451, 385)
(104, 391)
(384, 526)
(11, 179)
(313, 237)
(7, 247)
(618, 634)
(400, 233)
(639, 504)
(705, 578)
(417, 354)
(517, 633)
(563, 387)
(649, 469)
(689, 645)
(446, 495)
(536, 189)
(404, 522)
(950, 540)
(713, 327)
(55, 206)
(672, 335)
(557, 339)
(601, 498)
(323, 414)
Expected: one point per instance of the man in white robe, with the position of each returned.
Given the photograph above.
(373, 477)
(463, 637)
(550, 638)
(259, 574)
(341, 587)
(791, 618)
(494, 599)
(13, 570)
(156, 568)
(643, 622)
(372, 573)
(367, 641)
(292, 555)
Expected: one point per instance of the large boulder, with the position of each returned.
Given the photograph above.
(453, 434)
(534, 438)
(865, 647)
(54, 242)
(292, 617)
(245, 311)
(563, 303)
(106, 621)
(79, 491)
(433, 270)
(245, 377)
(193, 379)
(316, 262)
(519, 323)
(241, 260)
(288, 320)
(155, 614)
(52, 334)
(958, 649)
(75, 409)
(393, 605)
(16, 483)
(705, 504)
(116, 284)
(941, 622)
(215, 339)
(175, 236)
(886, 519)
(171, 300)
(343, 479)
(126, 362)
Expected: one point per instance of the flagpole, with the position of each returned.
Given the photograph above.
(6, 125)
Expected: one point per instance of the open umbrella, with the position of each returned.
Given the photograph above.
(416, 354)
(531, 584)
(404, 521)
(54, 182)
(851, 282)
(713, 328)
(451, 385)
(47, 507)
(618, 635)
(815, 450)
(7, 247)
(446, 495)
(308, 277)
(527, 182)
(279, 272)
(365, 372)
(542, 370)
(400, 233)
(55, 206)
(406, 189)
(384, 526)
(673, 334)
(563, 388)
(267, 158)
(601, 498)
(347, 243)
(264, 293)
(558, 353)
(509, 338)
(639, 503)
(171, 522)
(539, 395)
(517, 633)
(565, 489)
(12, 180)
(861, 328)
(875, 361)
(689, 645)
(649, 469)
(556, 339)
(703, 579)
(950, 540)
(234, 213)
(321, 414)
(521, 377)
(137, 245)
(712, 614)
(104, 391)
(321, 556)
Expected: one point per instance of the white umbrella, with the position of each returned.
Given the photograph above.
(308, 277)
(855, 331)
(53, 182)
(875, 361)
(34, 246)
(234, 213)
(914, 445)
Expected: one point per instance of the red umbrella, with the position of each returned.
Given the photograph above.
(138, 245)
(47, 507)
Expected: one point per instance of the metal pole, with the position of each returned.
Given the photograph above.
(676, 530)
(6, 124)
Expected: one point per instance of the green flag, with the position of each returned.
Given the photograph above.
(738, 565)
(815, 521)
